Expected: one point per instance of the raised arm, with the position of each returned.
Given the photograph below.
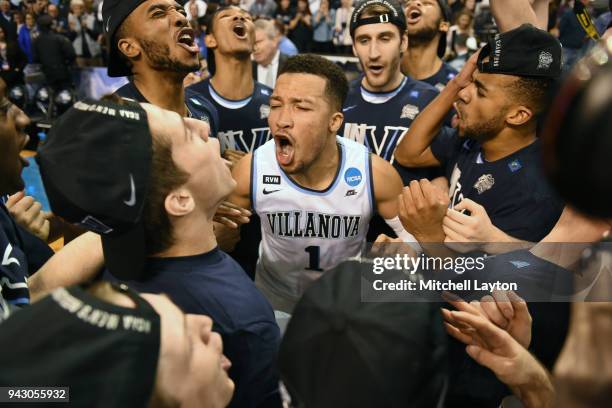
(241, 172)
(510, 14)
(414, 150)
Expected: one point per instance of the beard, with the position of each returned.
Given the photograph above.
(159, 57)
(482, 132)
(424, 35)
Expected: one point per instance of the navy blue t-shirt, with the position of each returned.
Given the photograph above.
(243, 124)
(381, 120)
(537, 279)
(22, 254)
(513, 190)
(213, 284)
(198, 107)
(442, 77)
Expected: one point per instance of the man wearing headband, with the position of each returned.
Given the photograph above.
(113, 347)
(154, 208)
(380, 108)
(151, 42)
(492, 158)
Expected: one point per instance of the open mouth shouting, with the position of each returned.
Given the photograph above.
(240, 30)
(186, 40)
(413, 16)
(375, 68)
(284, 149)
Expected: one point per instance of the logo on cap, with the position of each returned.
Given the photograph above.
(545, 60)
(107, 28)
(132, 201)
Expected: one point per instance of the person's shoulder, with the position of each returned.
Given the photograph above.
(198, 88)
(418, 91)
(262, 91)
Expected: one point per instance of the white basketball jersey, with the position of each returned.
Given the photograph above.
(306, 232)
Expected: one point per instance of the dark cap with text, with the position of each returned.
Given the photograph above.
(114, 12)
(95, 167)
(394, 16)
(525, 51)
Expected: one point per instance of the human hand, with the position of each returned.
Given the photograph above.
(422, 207)
(28, 213)
(475, 228)
(231, 215)
(233, 156)
(505, 309)
(464, 77)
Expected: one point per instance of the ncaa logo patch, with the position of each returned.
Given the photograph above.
(353, 177)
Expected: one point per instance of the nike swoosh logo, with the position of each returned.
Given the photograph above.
(132, 201)
(108, 23)
(348, 108)
(266, 192)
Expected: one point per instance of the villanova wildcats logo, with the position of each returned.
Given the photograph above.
(383, 146)
(234, 139)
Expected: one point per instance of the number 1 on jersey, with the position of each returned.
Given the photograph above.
(314, 252)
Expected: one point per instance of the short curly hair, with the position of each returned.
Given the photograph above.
(337, 86)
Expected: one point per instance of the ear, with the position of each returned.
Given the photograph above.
(335, 122)
(129, 47)
(519, 115)
(404, 43)
(210, 41)
(179, 202)
(444, 26)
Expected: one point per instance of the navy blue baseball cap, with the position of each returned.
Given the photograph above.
(114, 13)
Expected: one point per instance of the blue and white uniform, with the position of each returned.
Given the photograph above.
(306, 232)
(243, 124)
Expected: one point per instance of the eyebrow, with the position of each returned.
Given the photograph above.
(480, 85)
(294, 99)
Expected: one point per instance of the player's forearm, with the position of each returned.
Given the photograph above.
(510, 14)
(539, 392)
(425, 127)
(501, 243)
(78, 262)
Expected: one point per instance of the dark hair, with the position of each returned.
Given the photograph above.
(532, 92)
(337, 84)
(165, 176)
(210, 55)
(121, 33)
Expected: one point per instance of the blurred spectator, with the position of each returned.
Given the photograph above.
(40, 7)
(195, 9)
(59, 23)
(463, 25)
(323, 24)
(266, 56)
(199, 34)
(6, 20)
(342, 35)
(300, 27)
(12, 60)
(27, 33)
(284, 14)
(572, 37)
(603, 21)
(263, 8)
(55, 53)
(286, 46)
(82, 24)
(460, 52)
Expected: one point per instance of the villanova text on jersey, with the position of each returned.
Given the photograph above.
(243, 124)
(311, 224)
